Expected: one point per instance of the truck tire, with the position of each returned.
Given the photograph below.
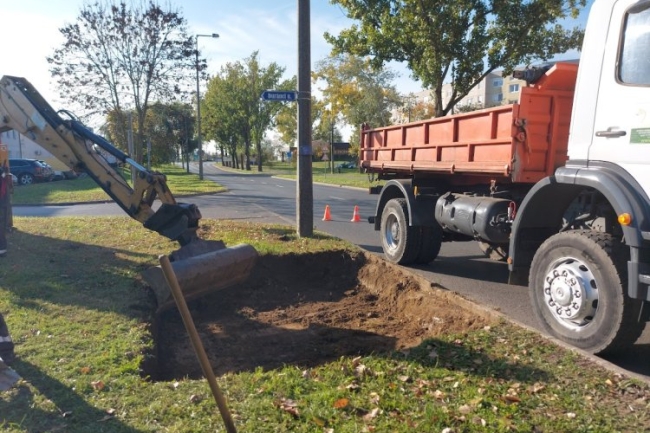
(400, 241)
(430, 243)
(578, 291)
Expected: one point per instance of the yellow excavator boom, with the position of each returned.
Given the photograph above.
(213, 266)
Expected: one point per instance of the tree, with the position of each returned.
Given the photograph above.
(222, 119)
(233, 111)
(357, 91)
(170, 129)
(413, 109)
(122, 56)
(286, 120)
(461, 40)
(263, 113)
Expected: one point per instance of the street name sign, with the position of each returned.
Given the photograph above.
(279, 95)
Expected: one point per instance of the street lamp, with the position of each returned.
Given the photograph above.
(198, 102)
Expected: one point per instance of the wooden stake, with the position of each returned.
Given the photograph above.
(170, 276)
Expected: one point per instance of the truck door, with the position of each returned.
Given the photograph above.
(622, 121)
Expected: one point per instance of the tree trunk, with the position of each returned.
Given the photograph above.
(437, 100)
(247, 151)
(258, 146)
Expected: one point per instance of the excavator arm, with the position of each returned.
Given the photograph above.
(201, 266)
(24, 110)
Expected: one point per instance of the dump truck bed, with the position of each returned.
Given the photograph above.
(522, 142)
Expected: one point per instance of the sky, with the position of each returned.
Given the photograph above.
(30, 33)
(30, 30)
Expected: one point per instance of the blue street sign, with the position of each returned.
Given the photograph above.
(279, 95)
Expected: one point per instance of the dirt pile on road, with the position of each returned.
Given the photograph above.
(309, 309)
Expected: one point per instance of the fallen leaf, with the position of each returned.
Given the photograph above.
(537, 387)
(85, 370)
(97, 385)
(361, 370)
(512, 398)
(404, 378)
(353, 386)
(439, 394)
(110, 411)
(371, 415)
(194, 398)
(464, 409)
(288, 406)
(341, 403)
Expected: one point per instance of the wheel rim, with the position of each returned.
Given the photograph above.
(392, 233)
(571, 293)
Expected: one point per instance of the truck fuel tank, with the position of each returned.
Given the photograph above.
(486, 218)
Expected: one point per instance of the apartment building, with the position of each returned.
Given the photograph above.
(495, 89)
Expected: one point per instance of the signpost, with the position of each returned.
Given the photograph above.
(279, 95)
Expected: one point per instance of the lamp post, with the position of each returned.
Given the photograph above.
(331, 144)
(198, 102)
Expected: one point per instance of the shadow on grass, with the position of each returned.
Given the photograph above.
(70, 412)
(41, 268)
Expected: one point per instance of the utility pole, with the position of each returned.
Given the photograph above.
(305, 193)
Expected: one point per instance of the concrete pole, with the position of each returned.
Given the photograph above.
(305, 193)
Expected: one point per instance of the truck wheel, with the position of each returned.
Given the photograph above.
(400, 241)
(577, 290)
(430, 243)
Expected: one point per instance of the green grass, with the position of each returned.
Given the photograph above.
(321, 173)
(84, 189)
(70, 293)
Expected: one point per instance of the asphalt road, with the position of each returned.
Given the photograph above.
(460, 267)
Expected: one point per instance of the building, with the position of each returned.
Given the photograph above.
(493, 90)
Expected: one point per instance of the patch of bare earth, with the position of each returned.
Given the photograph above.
(309, 309)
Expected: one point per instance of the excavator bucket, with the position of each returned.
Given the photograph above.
(202, 267)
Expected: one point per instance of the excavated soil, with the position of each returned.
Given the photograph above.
(309, 309)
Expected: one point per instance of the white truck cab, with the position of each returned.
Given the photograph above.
(611, 114)
(581, 238)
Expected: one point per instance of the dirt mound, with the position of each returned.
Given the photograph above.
(309, 309)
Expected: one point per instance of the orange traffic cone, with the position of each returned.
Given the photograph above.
(327, 216)
(355, 216)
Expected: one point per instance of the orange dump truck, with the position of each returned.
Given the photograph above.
(517, 143)
(478, 166)
(557, 185)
